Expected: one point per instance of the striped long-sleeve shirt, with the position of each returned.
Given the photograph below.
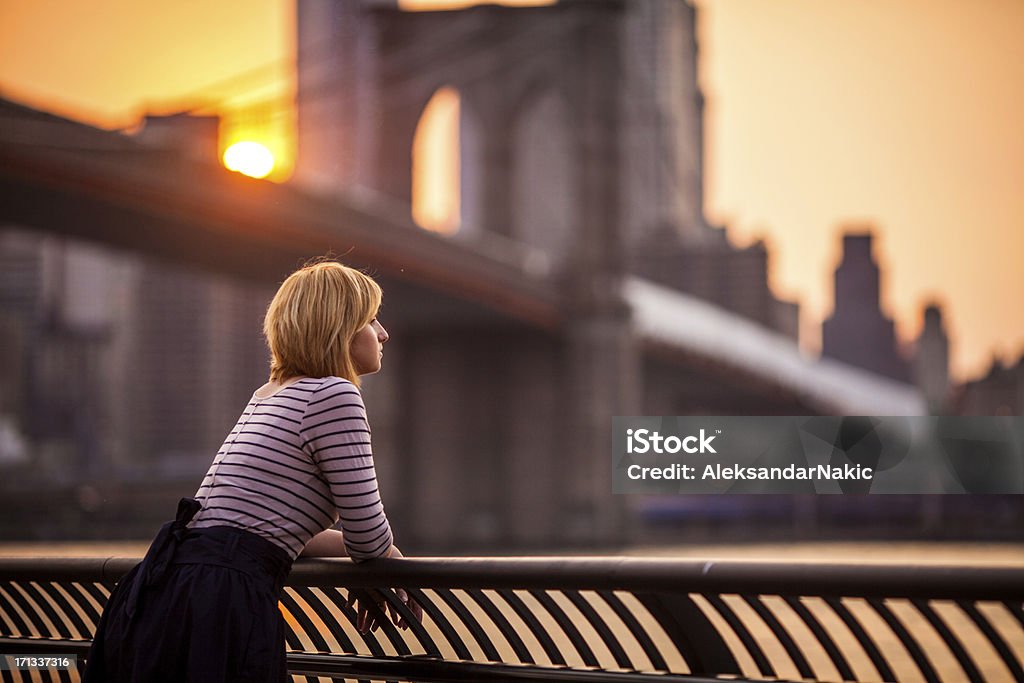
(296, 463)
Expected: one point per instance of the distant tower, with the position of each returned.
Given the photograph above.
(931, 361)
(857, 332)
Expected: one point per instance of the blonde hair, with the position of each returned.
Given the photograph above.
(313, 318)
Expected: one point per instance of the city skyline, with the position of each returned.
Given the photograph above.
(763, 180)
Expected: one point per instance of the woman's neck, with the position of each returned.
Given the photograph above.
(274, 386)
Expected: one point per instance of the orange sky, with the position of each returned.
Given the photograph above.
(906, 113)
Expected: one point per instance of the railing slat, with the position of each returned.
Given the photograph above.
(760, 660)
(909, 642)
(467, 618)
(36, 594)
(10, 615)
(71, 611)
(866, 642)
(338, 601)
(504, 627)
(993, 637)
(952, 642)
(291, 638)
(588, 612)
(634, 627)
(439, 619)
(538, 631)
(304, 621)
(25, 608)
(95, 600)
(826, 640)
(691, 633)
(568, 628)
(1016, 608)
(781, 633)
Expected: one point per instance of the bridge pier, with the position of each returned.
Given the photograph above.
(603, 362)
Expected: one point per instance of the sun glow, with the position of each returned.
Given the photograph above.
(250, 158)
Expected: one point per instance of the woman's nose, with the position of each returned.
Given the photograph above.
(382, 334)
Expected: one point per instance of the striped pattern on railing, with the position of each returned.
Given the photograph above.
(591, 619)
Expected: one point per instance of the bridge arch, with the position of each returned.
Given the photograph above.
(436, 165)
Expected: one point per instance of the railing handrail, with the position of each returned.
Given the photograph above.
(593, 619)
(941, 582)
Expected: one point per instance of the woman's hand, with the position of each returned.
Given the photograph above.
(414, 607)
(411, 605)
(367, 618)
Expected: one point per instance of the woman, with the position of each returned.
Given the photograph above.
(202, 605)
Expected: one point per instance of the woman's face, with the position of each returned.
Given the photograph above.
(368, 348)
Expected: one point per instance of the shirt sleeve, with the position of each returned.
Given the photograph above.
(336, 435)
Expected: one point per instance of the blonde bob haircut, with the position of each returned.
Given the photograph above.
(314, 317)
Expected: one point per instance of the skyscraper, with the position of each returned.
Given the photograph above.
(858, 332)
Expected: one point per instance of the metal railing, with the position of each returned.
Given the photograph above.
(591, 619)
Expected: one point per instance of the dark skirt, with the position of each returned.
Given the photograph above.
(201, 607)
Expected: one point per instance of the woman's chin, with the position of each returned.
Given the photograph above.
(370, 370)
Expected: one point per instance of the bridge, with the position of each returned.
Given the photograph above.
(464, 304)
(108, 188)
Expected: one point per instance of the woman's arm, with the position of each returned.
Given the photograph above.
(327, 543)
(331, 543)
(335, 434)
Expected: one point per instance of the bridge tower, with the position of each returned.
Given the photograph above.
(580, 144)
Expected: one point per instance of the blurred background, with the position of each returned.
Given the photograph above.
(577, 210)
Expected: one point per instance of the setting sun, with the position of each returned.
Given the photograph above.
(250, 158)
